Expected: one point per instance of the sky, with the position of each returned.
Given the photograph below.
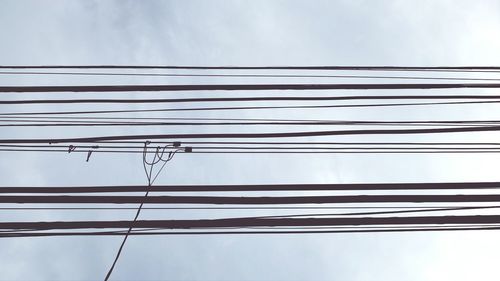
(416, 33)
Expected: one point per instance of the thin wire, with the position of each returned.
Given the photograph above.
(270, 152)
(150, 183)
(148, 175)
(231, 208)
(250, 108)
(84, 118)
(242, 75)
(154, 230)
(447, 209)
(489, 69)
(211, 143)
(256, 187)
(78, 123)
(317, 143)
(282, 232)
(255, 135)
(253, 222)
(277, 148)
(248, 99)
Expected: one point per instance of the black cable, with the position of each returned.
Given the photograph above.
(315, 143)
(239, 87)
(256, 222)
(314, 67)
(255, 135)
(276, 232)
(228, 200)
(234, 208)
(76, 148)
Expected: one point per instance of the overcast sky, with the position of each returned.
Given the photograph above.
(413, 33)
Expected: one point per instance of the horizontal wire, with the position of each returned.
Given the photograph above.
(151, 149)
(229, 200)
(242, 75)
(239, 87)
(245, 99)
(275, 232)
(250, 108)
(257, 187)
(414, 210)
(310, 67)
(102, 119)
(311, 143)
(447, 209)
(153, 230)
(228, 208)
(256, 222)
(90, 123)
(327, 122)
(264, 152)
(256, 135)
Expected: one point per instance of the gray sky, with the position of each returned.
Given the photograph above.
(420, 33)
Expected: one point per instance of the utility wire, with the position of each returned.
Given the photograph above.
(229, 232)
(127, 119)
(250, 108)
(239, 87)
(268, 151)
(239, 208)
(247, 99)
(157, 158)
(256, 187)
(254, 135)
(93, 123)
(275, 143)
(228, 200)
(241, 75)
(77, 148)
(313, 67)
(256, 222)
(314, 143)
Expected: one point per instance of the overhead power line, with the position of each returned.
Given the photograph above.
(256, 98)
(255, 187)
(37, 122)
(254, 222)
(246, 99)
(248, 232)
(240, 87)
(324, 152)
(249, 108)
(128, 74)
(309, 143)
(87, 119)
(310, 67)
(227, 200)
(336, 207)
(255, 135)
